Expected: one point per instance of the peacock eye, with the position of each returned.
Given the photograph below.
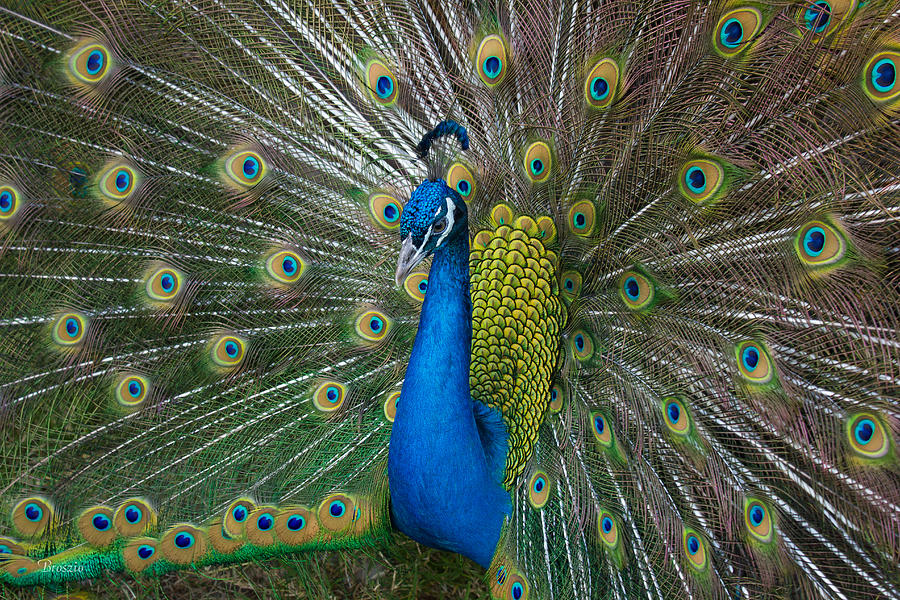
(825, 17)
(90, 64)
(228, 351)
(245, 168)
(9, 202)
(600, 86)
(868, 437)
(758, 520)
(608, 531)
(880, 79)
(490, 61)
(538, 160)
(163, 284)
(735, 30)
(381, 82)
(695, 550)
(677, 419)
(118, 182)
(700, 180)
(819, 244)
(460, 178)
(132, 391)
(69, 329)
(817, 16)
(636, 290)
(440, 226)
(539, 490)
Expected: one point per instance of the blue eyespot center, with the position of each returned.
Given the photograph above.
(265, 522)
(607, 524)
(864, 431)
(231, 349)
(5, 201)
(580, 220)
(250, 167)
(632, 289)
(818, 16)
(814, 241)
(693, 544)
(72, 326)
(146, 551)
(33, 512)
(100, 522)
(463, 187)
(134, 389)
(599, 88)
(492, 66)
(579, 342)
(695, 179)
(332, 394)
(537, 166)
(884, 75)
(184, 540)
(122, 180)
(296, 523)
(553, 394)
(375, 324)
(337, 509)
(94, 62)
(599, 425)
(423, 286)
(756, 515)
(384, 87)
(289, 265)
(569, 284)
(239, 513)
(750, 357)
(539, 485)
(732, 33)
(517, 591)
(167, 282)
(4, 549)
(133, 514)
(674, 412)
(391, 212)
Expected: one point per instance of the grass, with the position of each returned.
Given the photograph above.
(405, 571)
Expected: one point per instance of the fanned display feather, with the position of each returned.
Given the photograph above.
(654, 353)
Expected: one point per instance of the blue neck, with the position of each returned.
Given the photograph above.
(442, 491)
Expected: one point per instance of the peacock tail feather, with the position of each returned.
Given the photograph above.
(684, 278)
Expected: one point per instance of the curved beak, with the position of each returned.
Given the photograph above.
(410, 256)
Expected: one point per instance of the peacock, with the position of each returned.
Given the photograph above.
(603, 295)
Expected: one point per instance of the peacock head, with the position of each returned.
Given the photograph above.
(434, 216)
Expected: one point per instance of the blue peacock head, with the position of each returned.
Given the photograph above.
(435, 214)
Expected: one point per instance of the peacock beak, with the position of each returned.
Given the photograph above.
(410, 256)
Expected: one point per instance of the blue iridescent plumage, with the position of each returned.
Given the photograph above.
(445, 486)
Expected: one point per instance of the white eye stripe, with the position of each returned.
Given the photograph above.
(449, 227)
(425, 240)
(450, 221)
